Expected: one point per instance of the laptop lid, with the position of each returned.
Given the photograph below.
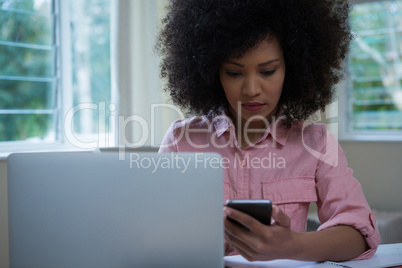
(94, 210)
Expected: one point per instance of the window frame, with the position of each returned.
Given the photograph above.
(345, 133)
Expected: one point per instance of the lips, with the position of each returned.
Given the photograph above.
(253, 106)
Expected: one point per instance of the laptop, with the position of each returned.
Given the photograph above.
(84, 209)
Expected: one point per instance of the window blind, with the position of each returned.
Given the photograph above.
(375, 68)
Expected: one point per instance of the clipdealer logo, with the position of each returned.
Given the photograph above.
(203, 161)
(118, 122)
(329, 153)
(174, 161)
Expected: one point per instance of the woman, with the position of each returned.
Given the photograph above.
(254, 71)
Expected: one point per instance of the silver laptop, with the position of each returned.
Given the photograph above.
(94, 210)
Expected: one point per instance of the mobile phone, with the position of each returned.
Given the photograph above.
(259, 209)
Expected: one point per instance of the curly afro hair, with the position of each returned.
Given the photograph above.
(198, 35)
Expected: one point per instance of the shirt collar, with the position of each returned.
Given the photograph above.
(222, 123)
(278, 131)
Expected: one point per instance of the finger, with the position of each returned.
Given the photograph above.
(280, 217)
(243, 249)
(245, 254)
(238, 245)
(242, 240)
(236, 234)
(235, 229)
(228, 248)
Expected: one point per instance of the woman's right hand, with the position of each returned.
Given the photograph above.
(228, 248)
(261, 242)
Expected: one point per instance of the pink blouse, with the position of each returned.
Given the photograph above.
(291, 167)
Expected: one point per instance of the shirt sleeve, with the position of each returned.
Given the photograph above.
(169, 141)
(340, 196)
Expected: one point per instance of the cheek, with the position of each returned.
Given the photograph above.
(231, 90)
(275, 88)
(278, 89)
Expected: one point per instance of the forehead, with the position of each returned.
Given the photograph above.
(267, 48)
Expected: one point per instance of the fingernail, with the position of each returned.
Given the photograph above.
(226, 211)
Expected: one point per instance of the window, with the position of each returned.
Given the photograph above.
(55, 74)
(28, 82)
(373, 88)
(91, 98)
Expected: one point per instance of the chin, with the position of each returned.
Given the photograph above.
(252, 120)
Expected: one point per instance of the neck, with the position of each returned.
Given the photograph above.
(249, 132)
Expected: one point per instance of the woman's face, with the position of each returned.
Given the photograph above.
(253, 83)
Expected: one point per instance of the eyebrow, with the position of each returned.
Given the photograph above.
(261, 64)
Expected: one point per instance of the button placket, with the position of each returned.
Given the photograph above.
(244, 161)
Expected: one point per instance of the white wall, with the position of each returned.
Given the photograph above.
(378, 167)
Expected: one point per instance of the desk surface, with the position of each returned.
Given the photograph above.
(387, 255)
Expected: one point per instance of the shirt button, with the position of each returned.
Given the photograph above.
(243, 163)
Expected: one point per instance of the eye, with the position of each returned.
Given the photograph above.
(233, 74)
(268, 72)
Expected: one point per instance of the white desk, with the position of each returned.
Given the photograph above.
(388, 255)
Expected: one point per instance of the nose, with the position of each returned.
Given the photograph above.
(251, 86)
